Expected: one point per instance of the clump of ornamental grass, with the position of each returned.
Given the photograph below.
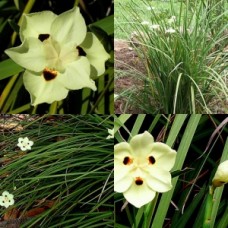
(65, 179)
(184, 57)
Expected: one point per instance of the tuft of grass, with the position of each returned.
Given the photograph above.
(186, 70)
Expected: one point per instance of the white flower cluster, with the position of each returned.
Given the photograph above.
(155, 27)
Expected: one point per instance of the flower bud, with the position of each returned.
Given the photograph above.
(221, 175)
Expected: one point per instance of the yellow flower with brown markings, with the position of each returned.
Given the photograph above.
(142, 168)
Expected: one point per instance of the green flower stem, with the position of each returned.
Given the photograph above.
(34, 110)
(53, 108)
(149, 211)
(61, 110)
(208, 208)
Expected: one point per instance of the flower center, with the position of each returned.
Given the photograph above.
(43, 37)
(127, 161)
(151, 160)
(6, 199)
(24, 144)
(49, 74)
(138, 181)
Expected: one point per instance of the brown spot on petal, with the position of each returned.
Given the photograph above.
(138, 181)
(49, 74)
(43, 37)
(81, 52)
(151, 160)
(127, 161)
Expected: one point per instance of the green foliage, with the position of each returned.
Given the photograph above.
(185, 70)
(70, 165)
(8, 68)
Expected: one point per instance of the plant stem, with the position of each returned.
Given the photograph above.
(208, 208)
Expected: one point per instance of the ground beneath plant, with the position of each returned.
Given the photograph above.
(127, 61)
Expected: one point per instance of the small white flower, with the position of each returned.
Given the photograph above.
(111, 134)
(170, 30)
(150, 8)
(6, 199)
(154, 27)
(134, 33)
(116, 96)
(24, 144)
(142, 168)
(221, 175)
(172, 20)
(145, 22)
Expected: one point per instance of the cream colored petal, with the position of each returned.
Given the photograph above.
(139, 195)
(2, 201)
(34, 24)
(69, 26)
(95, 52)
(158, 180)
(120, 169)
(68, 53)
(123, 184)
(122, 151)
(42, 91)
(26, 139)
(221, 175)
(52, 50)
(30, 143)
(30, 54)
(77, 75)
(141, 144)
(164, 156)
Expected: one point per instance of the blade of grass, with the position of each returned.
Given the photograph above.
(181, 155)
(8, 68)
(218, 191)
(138, 123)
